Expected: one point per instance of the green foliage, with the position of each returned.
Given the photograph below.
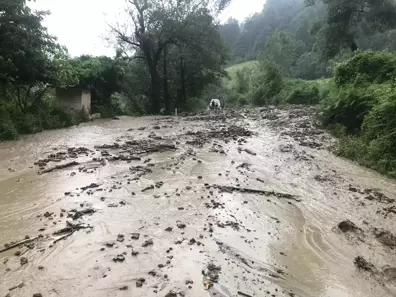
(304, 94)
(8, 130)
(280, 49)
(179, 45)
(367, 67)
(266, 85)
(347, 106)
(360, 106)
(347, 20)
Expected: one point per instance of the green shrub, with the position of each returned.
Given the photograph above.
(374, 67)
(354, 148)
(8, 130)
(29, 123)
(195, 104)
(266, 85)
(304, 95)
(347, 107)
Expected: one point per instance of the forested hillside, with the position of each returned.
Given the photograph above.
(306, 36)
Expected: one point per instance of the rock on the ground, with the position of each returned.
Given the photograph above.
(135, 236)
(385, 237)
(147, 243)
(347, 226)
(23, 261)
(361, 263)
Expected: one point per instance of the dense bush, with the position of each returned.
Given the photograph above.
(43, 116)
(361, 109)
(7, 130)
(266, 85)
(372, 67)
(347, 107)
(303, 93)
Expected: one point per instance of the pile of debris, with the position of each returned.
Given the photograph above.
(72, 152)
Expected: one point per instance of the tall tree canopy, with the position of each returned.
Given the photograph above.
(348, 20)
(318, 31)
(160, 29)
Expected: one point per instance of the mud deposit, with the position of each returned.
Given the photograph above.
(248, 203)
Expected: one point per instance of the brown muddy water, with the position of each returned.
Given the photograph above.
(193, 206)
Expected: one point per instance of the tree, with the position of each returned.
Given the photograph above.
(26, 52)
(281, 50)
(347, 20)
(230, 31)
(156, 25)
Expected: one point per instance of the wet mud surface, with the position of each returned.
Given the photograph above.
(247, 203)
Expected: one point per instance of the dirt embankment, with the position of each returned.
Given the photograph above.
(249, 203)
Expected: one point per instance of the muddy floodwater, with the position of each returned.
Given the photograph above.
(245, 203)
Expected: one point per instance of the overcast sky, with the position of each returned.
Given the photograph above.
(81, 24)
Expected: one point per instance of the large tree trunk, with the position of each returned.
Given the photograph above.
(155, 80)
(155, 90)
(166, 90)
(182, 82)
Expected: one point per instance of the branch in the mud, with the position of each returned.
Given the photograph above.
(58, 167)
(69, 230)
(244, 294)
(231, 189)
(76, 214)
(157, 148)
(63, 237)
(13, 245)
(71, 227)
(124, 158)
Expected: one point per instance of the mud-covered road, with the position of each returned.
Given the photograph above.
(249, 203)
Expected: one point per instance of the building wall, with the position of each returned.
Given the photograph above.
(86, 100)
(74, 98)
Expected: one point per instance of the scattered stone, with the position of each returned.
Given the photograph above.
(385, 237)
(171, 294)
(37, 295)
(48, 214)
(135, 236)
(17, 253)
(23, 261)
(124, 288)
(363, 264)
(147, 243)
(348, 226)
(148, 188)
(169, 229)
(152, 273)
(120, 238)
(211, 272)
(181, 225)
(119, 258)
(159, 184)
(110, 244)
(389, 273)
